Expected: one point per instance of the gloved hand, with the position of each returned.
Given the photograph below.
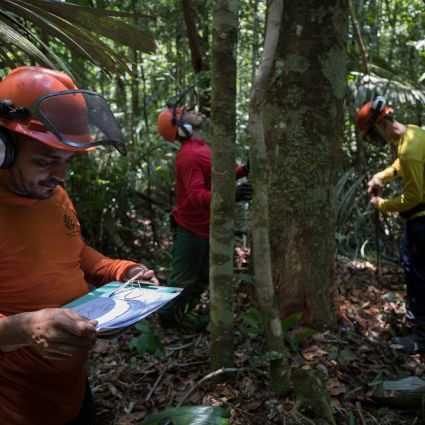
(243, 192)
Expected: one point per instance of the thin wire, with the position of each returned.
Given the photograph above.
(129, 282)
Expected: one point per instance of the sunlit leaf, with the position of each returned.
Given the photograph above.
(191, 415)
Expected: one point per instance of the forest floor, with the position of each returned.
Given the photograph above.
(352, 358)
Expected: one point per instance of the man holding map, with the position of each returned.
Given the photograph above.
(44, 263)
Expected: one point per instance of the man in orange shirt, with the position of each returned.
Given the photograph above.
(44, 263)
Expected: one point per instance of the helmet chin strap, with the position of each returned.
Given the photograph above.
(184, 129)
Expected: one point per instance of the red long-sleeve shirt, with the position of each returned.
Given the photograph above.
(44, 263)
(193, 187)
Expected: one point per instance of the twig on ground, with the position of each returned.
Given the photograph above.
(205, 378)
(158, 380)
(263, 421)
(359, 410)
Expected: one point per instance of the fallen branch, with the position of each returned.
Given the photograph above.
(205, 378)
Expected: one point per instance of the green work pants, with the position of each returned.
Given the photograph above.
(189, 270)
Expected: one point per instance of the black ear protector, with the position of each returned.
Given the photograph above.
(184, 129)
(7, 148)
(378, 105)
(7, 110)
(7, 144)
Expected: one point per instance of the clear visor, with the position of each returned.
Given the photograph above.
(79, 118)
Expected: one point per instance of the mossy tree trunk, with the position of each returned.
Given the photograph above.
(303, 121)
(223, 114)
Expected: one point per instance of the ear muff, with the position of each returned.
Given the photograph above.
(378, 105)
(184, 129)
(7, 149)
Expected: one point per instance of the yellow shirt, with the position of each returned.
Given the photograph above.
(410, 166)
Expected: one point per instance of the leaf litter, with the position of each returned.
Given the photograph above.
(352, 359)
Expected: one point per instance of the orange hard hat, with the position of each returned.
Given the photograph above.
(168, 122)
(371, 113)
(23, 86)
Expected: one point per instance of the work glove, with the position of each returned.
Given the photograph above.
(243, 192)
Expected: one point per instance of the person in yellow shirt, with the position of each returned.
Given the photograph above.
(44, 263)
(376, 121)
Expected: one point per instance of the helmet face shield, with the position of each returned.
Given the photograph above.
(79, 118)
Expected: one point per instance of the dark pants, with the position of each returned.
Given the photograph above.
(413, 261)
(189, 270)
(87, 414)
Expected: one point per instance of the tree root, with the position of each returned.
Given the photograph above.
(312, 394)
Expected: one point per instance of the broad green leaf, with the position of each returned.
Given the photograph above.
(291, 321)
(191, 415)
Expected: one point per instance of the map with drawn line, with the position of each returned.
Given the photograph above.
(124, 308)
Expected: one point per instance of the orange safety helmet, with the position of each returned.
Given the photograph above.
(371, 113)
(171, 125)
(167, 123)
(23, 86)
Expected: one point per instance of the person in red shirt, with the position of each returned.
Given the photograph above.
(44, 263)
(191, 215)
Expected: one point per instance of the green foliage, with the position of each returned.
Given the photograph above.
(253, 321)
(256, 361)
(191, 415)
(254, 326)
(147, 341)
(296, 338)
(78, 27)
(355, 227)
(123, 203)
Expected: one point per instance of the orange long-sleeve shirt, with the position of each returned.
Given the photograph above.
(44, 263)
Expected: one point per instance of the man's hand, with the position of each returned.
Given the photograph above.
(243, 192)
(375, 201)
(57, 333)
(147, 275)
(374, 186)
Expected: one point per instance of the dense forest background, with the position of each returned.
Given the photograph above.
(130, 198)
(124, 203)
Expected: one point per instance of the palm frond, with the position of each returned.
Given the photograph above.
(9, 36)
(78, 27)
(191, 415)
(29, 35)
(366, 87)
(84, 44)
(93, 19)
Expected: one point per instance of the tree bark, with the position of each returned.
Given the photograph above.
(193, 36)
(223, 117)
(303, 121)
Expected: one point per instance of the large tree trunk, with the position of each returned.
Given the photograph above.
(223, 114)
(303, 120)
